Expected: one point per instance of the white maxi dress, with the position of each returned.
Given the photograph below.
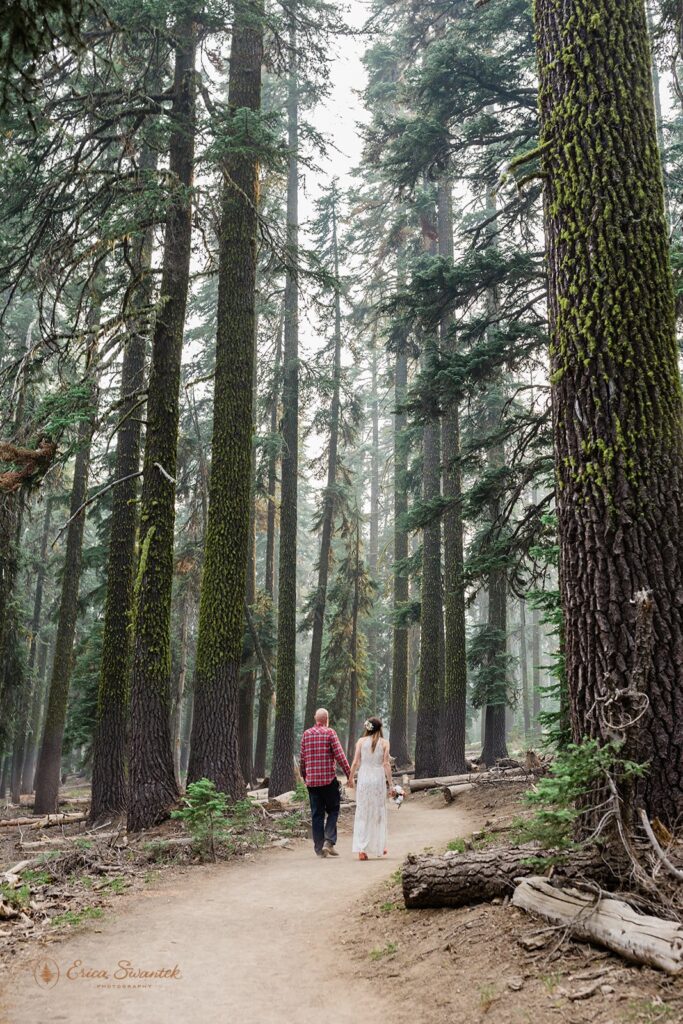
(370, 823)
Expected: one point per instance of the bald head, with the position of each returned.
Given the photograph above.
(321, 716)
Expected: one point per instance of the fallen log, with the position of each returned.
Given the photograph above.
(493, 775)
(416, 785)
(457, 879)
(48, 844)
(45, 822)
(27, 800)
(451, 793)
(281, 802)
(607, 922)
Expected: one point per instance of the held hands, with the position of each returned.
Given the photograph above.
(349, 782)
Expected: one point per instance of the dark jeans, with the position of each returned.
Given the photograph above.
(324, 800)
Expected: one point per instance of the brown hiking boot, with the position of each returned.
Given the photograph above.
(329, 850)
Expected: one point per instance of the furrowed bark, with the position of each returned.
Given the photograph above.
(616, 388)
(458, 879)
(110, 739)
(152, 788)
(214, 751)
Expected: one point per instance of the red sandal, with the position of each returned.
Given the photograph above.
(362, 856)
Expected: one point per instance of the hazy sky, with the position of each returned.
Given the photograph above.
(339, 115)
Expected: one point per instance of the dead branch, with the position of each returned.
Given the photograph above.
(34, 462)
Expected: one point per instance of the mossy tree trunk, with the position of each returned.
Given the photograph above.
(454, 720)
(616, 386)
(214, 749)
(111, 727)
(329, 499)
(282, 773)
(152, 788)
(398, 731)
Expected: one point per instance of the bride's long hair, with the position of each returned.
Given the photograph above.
(373, 727)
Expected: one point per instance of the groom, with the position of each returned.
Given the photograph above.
(320, 748)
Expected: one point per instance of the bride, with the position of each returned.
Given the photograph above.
(371, 761)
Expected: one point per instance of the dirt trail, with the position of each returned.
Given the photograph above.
(256, 942)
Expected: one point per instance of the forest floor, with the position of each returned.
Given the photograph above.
(281, 936)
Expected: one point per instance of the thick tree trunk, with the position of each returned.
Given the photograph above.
(457, 879)
(453, 724)
(110, 739)
(616, 386)
(398, 731)
(152, 785)
(49, 759)
(214, 751)
(282, 773)
(330, 502)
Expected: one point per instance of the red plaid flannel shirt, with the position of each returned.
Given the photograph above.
(320, 748)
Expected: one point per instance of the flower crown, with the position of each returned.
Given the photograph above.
(368, 725)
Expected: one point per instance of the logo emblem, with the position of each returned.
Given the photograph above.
(46, 972)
